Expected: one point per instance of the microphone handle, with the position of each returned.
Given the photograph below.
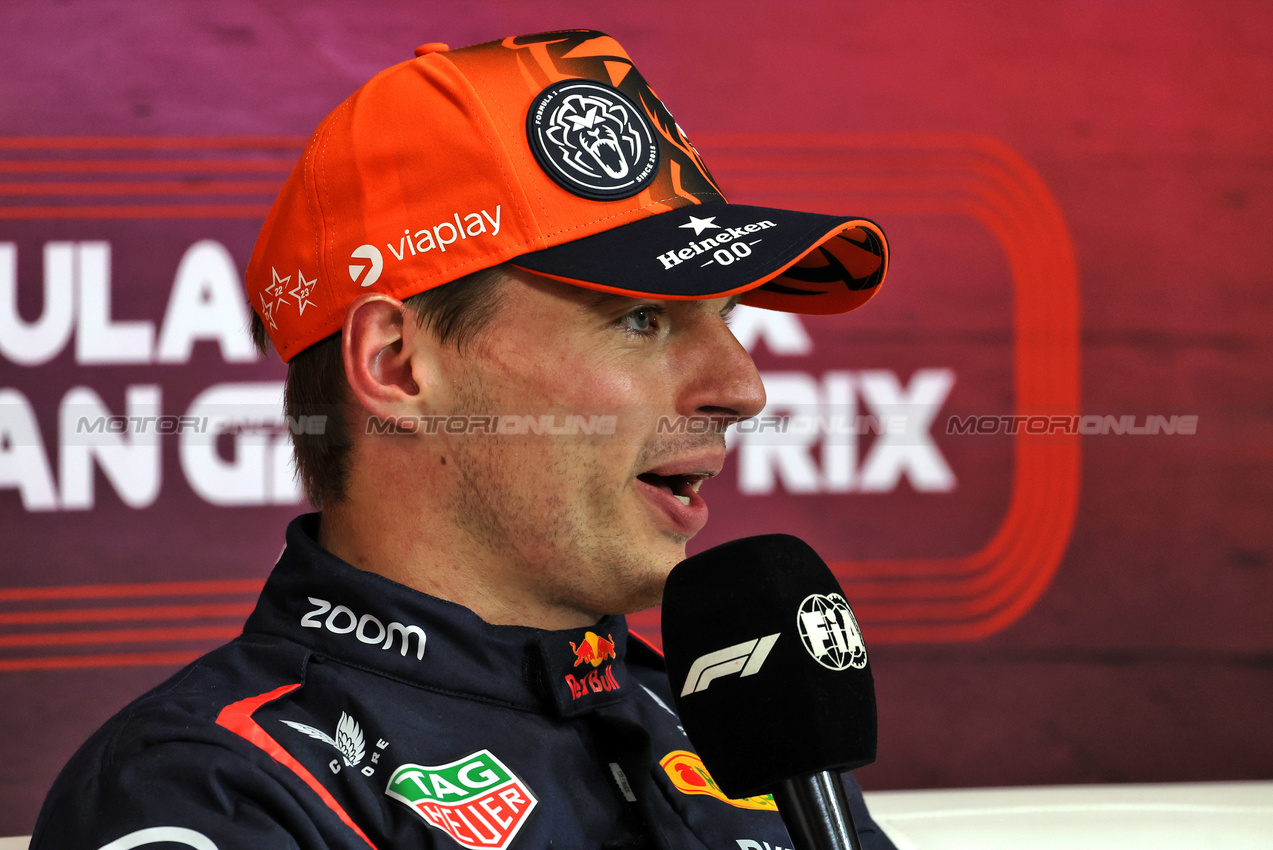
(816, 812)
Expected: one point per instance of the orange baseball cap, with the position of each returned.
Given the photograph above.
(549, 151)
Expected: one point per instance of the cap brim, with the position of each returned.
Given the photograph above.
(796, 262)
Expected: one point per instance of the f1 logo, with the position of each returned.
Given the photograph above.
(746, 656)
(372, 269)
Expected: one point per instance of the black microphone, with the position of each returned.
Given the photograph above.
(771, 680)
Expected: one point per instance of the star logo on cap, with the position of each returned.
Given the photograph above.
(275, 290)
(302, 291)
(701, 224)
(276, 295)
(267, 312)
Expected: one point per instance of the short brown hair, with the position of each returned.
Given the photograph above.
(316, 383)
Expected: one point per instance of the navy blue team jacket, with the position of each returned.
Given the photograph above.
(354, 712)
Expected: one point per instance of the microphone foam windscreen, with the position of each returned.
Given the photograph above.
(767, 664)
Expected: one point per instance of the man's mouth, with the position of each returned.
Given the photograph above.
(682, 486)
(670, 486)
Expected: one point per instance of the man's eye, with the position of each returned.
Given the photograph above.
(643, 320)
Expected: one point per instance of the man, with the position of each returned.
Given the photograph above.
(439, 658)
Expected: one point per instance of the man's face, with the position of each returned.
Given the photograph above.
(592, 524)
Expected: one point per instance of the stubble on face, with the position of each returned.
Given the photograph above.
(558, 515)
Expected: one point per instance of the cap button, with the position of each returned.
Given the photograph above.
(432, 47)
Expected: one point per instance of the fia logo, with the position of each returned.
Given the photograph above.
(830, 632)
(348, 742)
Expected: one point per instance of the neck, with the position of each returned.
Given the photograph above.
(401, 534)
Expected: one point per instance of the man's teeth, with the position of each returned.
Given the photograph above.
(687, 483)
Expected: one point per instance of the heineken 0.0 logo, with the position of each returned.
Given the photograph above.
(475, 800)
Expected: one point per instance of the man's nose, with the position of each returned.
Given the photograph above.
(726, 385)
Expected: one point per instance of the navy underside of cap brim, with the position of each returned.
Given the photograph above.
(691, 252)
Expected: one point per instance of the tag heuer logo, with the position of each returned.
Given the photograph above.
(475, 800)
(592, 140)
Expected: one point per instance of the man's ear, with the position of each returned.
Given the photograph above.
(382, 364)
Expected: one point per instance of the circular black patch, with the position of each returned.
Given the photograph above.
(592, 140)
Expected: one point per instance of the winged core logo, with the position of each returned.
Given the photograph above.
(348, 742)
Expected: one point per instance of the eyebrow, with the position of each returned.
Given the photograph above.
(597, 300)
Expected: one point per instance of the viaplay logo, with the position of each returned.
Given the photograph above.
(370, 270)
(370, 262)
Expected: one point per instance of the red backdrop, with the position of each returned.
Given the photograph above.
(1076, 196)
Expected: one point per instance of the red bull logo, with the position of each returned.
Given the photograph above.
(596, 682)
(594, 649)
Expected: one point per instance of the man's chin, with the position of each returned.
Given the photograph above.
(651, 594)
(635, 604)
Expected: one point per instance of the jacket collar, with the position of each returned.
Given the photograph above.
(365, 620)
